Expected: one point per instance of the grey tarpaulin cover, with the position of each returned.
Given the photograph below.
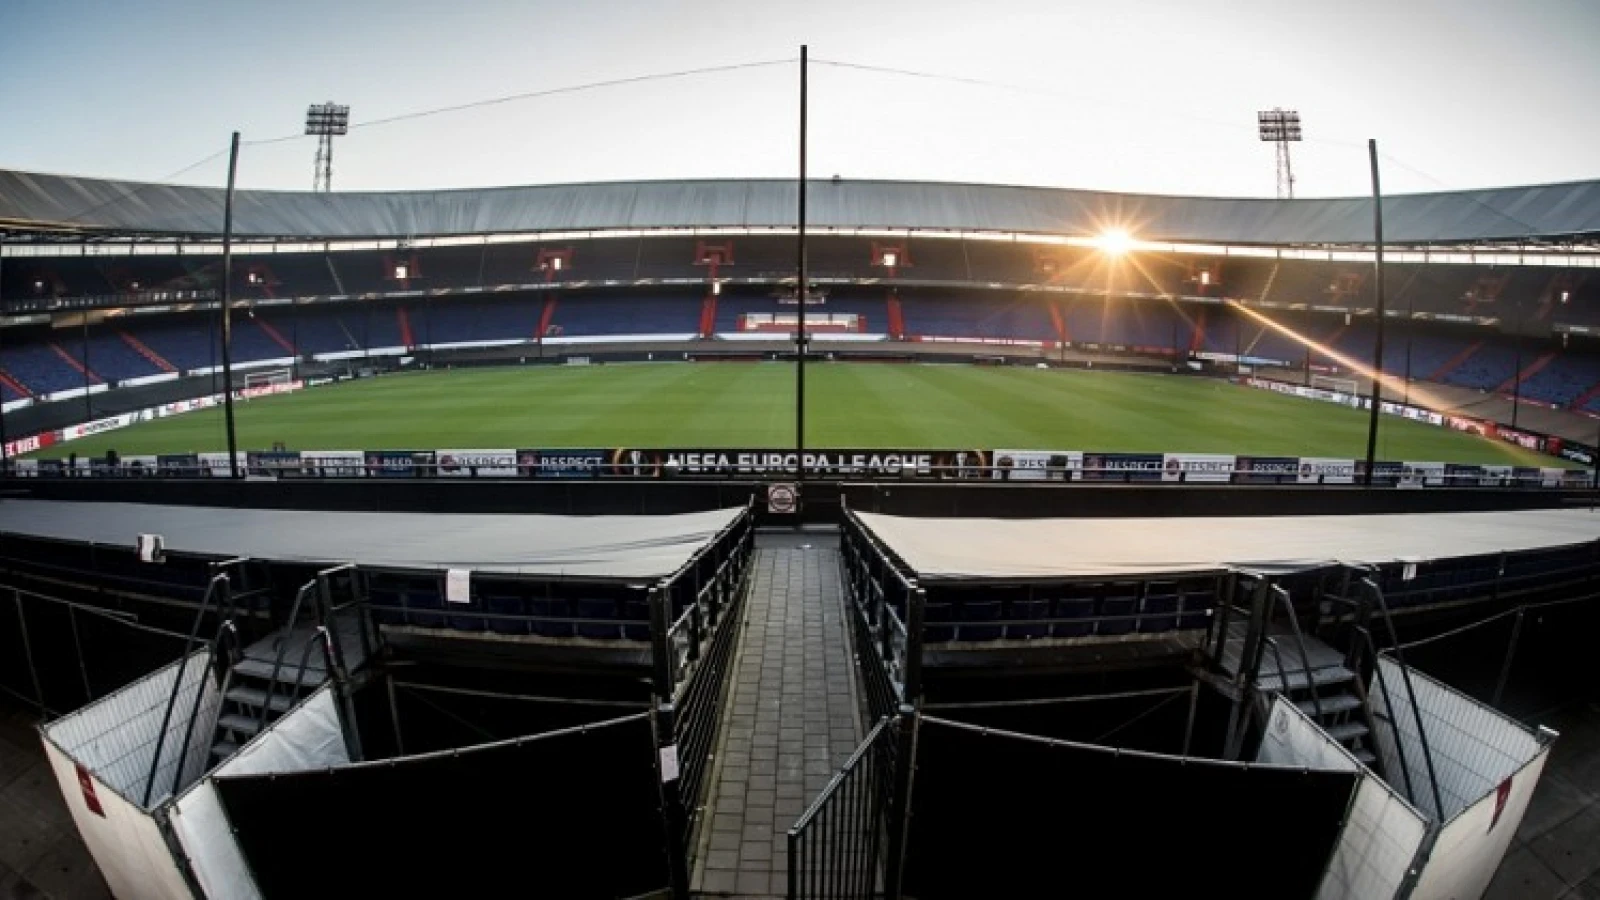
(590, 546)
(1038, 548)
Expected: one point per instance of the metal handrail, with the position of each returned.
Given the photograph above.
(224, 629)
(309, 588)
(1278, 593)
(177, 683)
(1416, 709)
(1388, 704)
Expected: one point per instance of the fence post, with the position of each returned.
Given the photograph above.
(672, 810)
(27, 652)
(915, 602)
(899, 825)
(661, 663)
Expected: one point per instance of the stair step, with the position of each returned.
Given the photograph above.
(1338, 703)
(239, 725)
(257, 698)
(1364, 755)
(1347, 731)
(286, 673)
(223, 749)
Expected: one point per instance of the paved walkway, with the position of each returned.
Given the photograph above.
(791, 724)
(41, 855)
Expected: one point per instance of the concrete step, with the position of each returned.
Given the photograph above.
(223, 749)
(1364, 755)
(1331, 706)
(257, 698)
(1347, 731)
(239, 725)
(287, 673)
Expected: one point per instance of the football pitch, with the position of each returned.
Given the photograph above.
(858, 406)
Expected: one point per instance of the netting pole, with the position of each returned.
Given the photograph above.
(800, 279)
(1377, 271)
(27, 653)
(227, 309)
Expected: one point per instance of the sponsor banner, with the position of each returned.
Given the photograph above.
(30, 444)
(52, 468)
(1471, 426)
(1036, 465)
(139, 465)
(940, 464)
(1384, 473)
(182, 406)
(98, 426)
(1523, 439)
(1574, 478)
(1495, 476)
(273, 463)
(214, 465)
(1462, 474)
(1123, 466)
(1527, 476)
(1327, 470)
(1214, 468)
(333, 463)
(1551, 478)
(1267, 469)
(1427, 474)
(179, 465)
(267, 389)
(27, 468)
(476, 463)
(1577, 453)
(395, 463)
(562, 463)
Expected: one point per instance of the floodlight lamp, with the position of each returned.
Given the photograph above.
(38, 287)
(401, 271)
(1205, 276)
(1565, 296)
(134, 285)
(254, 278)
(890, 258)
(1114, 242)
(716, 288)
(555, 263)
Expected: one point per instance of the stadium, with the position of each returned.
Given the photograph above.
(801, 537)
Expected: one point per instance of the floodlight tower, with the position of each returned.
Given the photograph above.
(1280, 127)
(325, 120)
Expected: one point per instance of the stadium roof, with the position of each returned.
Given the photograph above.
(54, 203)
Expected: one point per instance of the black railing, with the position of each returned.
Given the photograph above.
(218, 596)
(837, 847)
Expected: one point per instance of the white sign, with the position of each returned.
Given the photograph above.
(458, 586)
(1198, 467)
(333, 463)
(1037, 465)
(1325, 470)
(783, 499)
(479, 463)
(669, 763)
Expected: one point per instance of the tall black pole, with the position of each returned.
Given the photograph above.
(1516, 378)
(800, 278)
(227, 309)
(1377, 272)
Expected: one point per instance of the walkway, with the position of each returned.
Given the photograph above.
(792, 719)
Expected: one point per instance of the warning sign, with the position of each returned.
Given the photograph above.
(783, 499)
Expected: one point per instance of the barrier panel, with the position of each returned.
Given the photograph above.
(836, 848)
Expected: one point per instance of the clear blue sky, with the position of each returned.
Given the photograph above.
(1139, 95)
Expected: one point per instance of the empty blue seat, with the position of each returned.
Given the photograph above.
(1077, 611)
(934, 629)
(977, 612)
(1155, 613)
(636, 624)
(1117, 615)
(506, 606)
(594, 608)
(1029, 609)
(556, 608)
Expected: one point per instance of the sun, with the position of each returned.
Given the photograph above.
(1114, 241)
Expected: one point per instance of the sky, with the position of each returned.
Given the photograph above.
(1155, 96)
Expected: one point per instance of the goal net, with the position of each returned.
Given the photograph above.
(1346, 386)
(265, 379)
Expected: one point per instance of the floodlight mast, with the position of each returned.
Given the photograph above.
(1281, 127)
(325, 120)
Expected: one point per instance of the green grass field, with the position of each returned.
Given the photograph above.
(848, 406)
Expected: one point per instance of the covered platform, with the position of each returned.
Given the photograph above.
(621, 547)
(957, 549)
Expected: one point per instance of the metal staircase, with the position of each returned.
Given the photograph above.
(1261, 645)
(327, 635)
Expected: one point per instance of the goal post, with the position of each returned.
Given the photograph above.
(267, 378)
(1346, 386)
